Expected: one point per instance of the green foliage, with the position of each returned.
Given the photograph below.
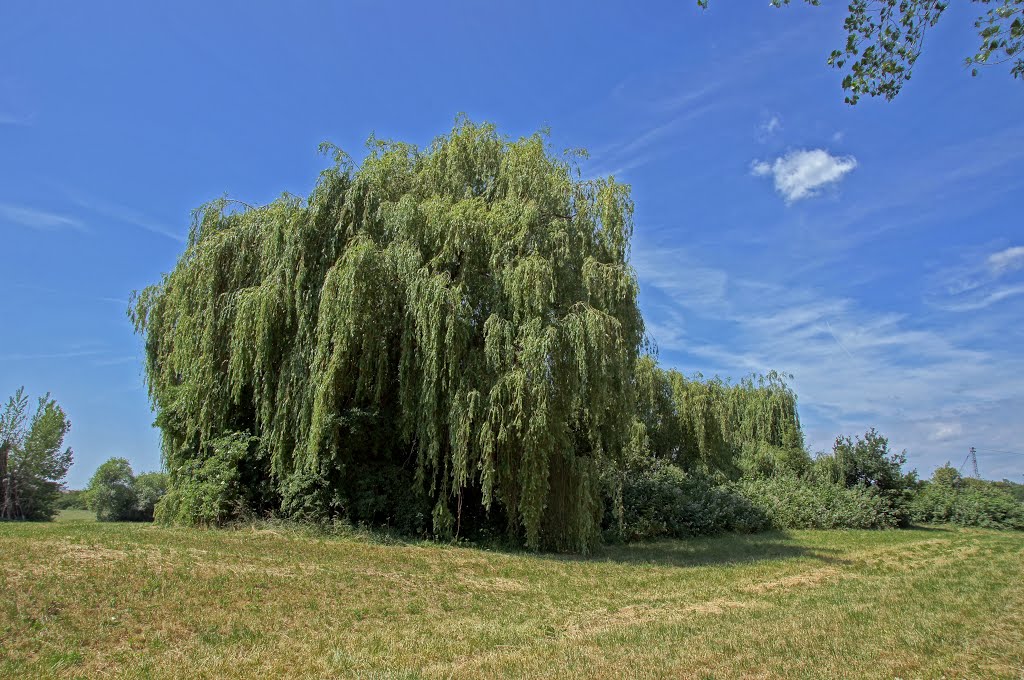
(465, 313)
(947, 476)
(111, 491)
(712, 426)
(759, 460)
(150, 487)
(33, 462)
(115, 494)
(1013, 488)
(807, 503)
(973, 503)
(208, 490)
(867, 462)
(72, 499)
(884, 39)
(660, 500)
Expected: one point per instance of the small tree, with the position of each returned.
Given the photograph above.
(33, 462)
(947, 476)
(112, 493)
(869, 462)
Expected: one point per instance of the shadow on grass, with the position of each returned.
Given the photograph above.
(717, 550)
(724, 549)
(927, 527)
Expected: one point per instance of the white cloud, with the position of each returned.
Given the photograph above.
(801, 174)
(38, 219)
(1007, 260)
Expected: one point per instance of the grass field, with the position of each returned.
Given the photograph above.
(86, 599)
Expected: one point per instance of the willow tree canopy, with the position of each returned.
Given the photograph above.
(465, 312)
(706, 424)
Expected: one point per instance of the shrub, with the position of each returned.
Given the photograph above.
(150, 487)
(207, 492)
(308, 497)
(660, 500)
(974, 504)
(795, 503)
(111, 491)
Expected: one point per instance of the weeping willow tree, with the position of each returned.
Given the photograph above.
(710, 424)
(459, 320)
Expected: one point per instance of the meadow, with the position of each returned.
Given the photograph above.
(79, 598)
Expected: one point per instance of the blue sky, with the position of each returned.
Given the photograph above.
(875, 252)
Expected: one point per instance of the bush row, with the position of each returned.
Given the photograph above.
(662, 501)
(976, 505)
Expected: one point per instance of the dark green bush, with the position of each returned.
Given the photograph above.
(796, 503)
(111, 491)
(659, 500)
(973, 504)
(150, 487)
(208, 492)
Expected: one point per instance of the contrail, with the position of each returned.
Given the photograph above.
(837, 340)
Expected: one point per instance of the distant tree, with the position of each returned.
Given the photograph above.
(868, 462)
(1013, 488)
(713, 426)
(150, 487)
(72, 499)
(33, 460)
(885, 38)
(947, 475)
(111, 491)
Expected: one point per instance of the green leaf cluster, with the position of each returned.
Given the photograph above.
(884, 39)
(713, 426)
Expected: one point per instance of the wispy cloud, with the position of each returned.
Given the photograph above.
(39, 219)
(116, 361)
(1007, 260)
(674, 99)
(11, 119)
(928, 386)
(979, 282)
(768, 127)
(76, 295)
(646, 145)
(124, 214)
(38, 356)
(803, 173)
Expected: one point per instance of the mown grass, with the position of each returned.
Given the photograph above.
(87, 599)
